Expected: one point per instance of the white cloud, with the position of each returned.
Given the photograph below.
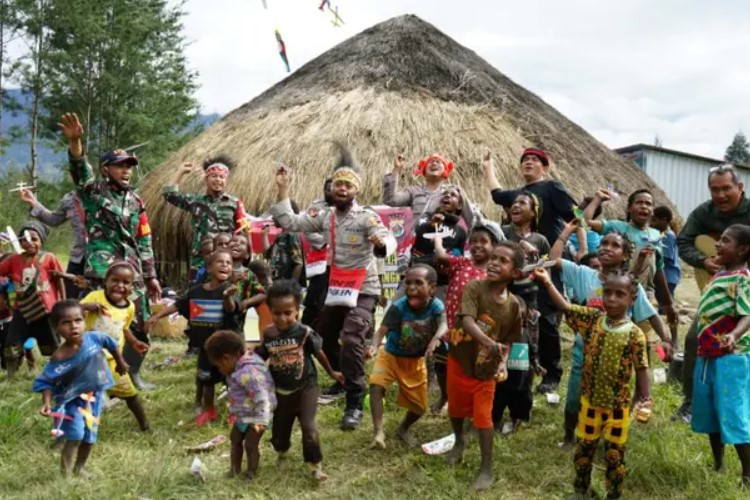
(625, 71)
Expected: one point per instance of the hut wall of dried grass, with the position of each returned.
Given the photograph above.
(401, 85)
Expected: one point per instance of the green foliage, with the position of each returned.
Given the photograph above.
(738, 151)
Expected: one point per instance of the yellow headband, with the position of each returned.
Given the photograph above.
(349, 175)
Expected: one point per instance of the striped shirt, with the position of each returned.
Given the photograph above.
(725, 301)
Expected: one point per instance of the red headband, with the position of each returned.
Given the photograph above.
(439, 157)
(217, 168)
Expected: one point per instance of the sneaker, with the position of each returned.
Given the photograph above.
(351, 420)
(684, 413)
(205, 417)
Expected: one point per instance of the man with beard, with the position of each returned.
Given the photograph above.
(355, 236)
(117, 228)
(696, 243)
(213, 212)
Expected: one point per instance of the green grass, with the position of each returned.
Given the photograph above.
(665, 459)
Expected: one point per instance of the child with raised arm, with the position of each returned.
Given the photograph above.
(111, 312)
(614, 348)
(491, 322)
(484, 236)
(721, 387)
(207, 307)
(413, 326)
(75, 378)
(251, 396)
(290, 347)
(37, 287)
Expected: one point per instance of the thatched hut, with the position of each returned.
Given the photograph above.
(401, 85)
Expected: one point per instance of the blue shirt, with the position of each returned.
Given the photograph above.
(410, 332)
(672, 269)
(592, 241)
(586, 287)
(636, 237)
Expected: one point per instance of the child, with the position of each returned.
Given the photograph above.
(447, 215)
(208, 307)
(250, 293)
(109, 311)
(222, 241)
(206, 249)
(251, 396)
(413, 326)
(614, 347)
(75, 376)
(36, 292)
(285, 254)
(484, 237)
(238, 245)
(491, 322)
(662, 221)
(721, 386)
(290, 346)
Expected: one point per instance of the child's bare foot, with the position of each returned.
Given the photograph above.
(316, 470)
(405, 436)
(248, 475)
(483, 481)
(437, 406)
(456, 455)
(378, 442)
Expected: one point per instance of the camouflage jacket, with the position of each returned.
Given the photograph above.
(211, 215)
(116, 224)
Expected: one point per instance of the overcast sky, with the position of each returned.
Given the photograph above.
(625, 71)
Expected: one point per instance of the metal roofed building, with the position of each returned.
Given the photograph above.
(682, 176)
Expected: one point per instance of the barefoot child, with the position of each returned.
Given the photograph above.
(614, 348)
(37, 290)
(289, 347)
(208, 307)
(461, 270)
(413, 325)
(721, 386)
(111, 312)
(75, 377)
(491, 322)
(251, 396)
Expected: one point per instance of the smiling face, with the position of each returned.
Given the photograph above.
(729, 251)
(32, 244)
(434, 169)
(120, 173)
(450, 201)
(618, 295)
(216, 183)
(238, 247)
(284, 311)
(71, 325)
(522, 210)
(641, 209)
(118, 285)
(725, 192)
(480, 246)
(502, 266)
(419, 290)
(532, 169)
(220, 266)
(612, 251)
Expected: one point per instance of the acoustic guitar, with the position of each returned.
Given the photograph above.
(706, 244)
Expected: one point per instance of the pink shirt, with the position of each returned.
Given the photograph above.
(461, 271)
(22, 274)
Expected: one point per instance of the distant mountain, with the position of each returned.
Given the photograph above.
(16, 154)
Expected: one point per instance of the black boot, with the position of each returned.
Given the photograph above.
(353, 413)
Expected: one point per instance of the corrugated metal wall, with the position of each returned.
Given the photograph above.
(685, 180)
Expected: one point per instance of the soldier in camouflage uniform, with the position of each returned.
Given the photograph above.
(213, 212)
(117, 227)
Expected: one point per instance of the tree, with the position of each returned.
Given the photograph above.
(657, 141)
(738, 152)
(10, 27)
(120, 65)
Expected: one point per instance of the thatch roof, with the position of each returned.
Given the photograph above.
(401, 85)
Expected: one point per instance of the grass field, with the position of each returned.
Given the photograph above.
(665, 459)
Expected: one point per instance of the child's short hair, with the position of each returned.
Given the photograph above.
(284, 288)
(489, 228)
(215, 255)
(222, 235)
(628, 247)
(623, 272)
(519, 256)
(663, 212)
(586, 259)
(224, 342)
(120, 264)
(432, 276)
(56, 314)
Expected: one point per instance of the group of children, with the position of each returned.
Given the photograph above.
(469, 304)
